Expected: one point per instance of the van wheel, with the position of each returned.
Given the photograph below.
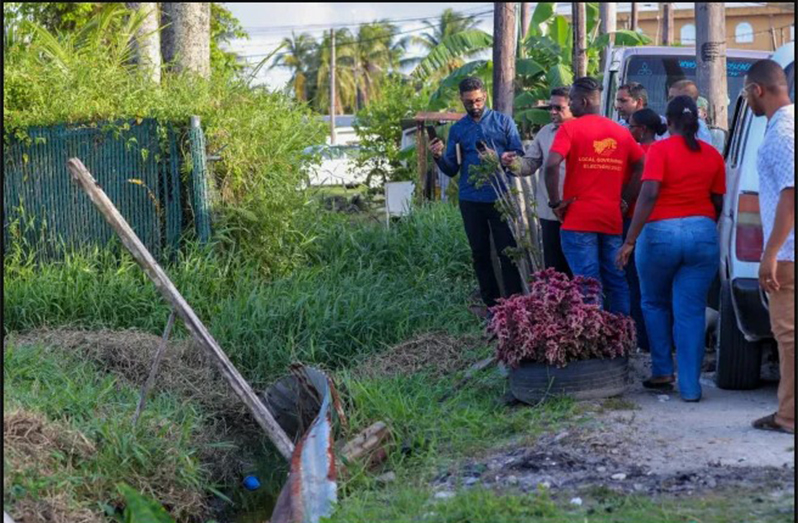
(738, 360)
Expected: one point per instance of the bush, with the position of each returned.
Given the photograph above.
(558, 322)
(87, 77)
(379, 127)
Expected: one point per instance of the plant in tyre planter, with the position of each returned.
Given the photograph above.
(557, 340)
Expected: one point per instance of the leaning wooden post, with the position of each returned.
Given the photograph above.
(83, 177)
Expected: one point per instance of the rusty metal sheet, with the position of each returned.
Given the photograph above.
(311, 490)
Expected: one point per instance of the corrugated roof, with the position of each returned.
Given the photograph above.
(564, 8)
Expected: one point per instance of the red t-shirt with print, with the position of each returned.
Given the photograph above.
(687, 177)
(631, 212)
(598, 157)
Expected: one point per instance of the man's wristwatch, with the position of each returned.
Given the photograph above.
(554, 205)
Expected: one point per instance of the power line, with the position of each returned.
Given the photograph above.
(327, 26)
(339, 45)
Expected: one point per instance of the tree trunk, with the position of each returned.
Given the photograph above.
(609, 22)
(667, 23)
(148, 40)
(503, 57)
(635, 17)
(579, 18)
(186, 42)
(711, 59)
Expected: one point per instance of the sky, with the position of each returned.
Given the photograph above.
(268, 23)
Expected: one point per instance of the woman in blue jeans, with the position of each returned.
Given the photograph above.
(677, 256)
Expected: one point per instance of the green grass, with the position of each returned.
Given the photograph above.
(411, 504)
(158, 456)
(364, 288)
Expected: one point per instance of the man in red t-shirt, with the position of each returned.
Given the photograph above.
(603, 162)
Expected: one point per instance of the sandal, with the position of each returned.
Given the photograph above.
(661, 383)
(769, 423)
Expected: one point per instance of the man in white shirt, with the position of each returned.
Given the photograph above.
(768, 95)
(535, 157)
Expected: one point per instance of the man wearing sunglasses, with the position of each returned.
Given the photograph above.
(534, 158)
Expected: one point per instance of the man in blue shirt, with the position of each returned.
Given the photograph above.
(477, 203)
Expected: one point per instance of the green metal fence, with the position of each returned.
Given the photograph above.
(136, 163)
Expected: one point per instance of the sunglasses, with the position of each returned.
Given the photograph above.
(557, 108)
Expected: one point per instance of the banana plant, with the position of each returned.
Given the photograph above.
(546, 61)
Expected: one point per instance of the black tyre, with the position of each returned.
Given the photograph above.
(581, 380)
(738, 360)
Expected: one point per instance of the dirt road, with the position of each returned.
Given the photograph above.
(649, 443)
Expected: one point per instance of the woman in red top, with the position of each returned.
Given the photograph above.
(677, 256)
(645, 125)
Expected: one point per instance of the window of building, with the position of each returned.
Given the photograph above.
(744, 33)
(687, 34)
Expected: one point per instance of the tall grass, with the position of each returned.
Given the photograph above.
(365, 288)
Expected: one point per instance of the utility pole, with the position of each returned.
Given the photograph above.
(526, 18)
(609, 23)
(635, 17)
(332, 86)
(579, 19)
(710, 48)
(503, 57)
(186, 42)
(667, 23)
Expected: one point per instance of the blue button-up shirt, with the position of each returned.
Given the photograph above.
(497, 130)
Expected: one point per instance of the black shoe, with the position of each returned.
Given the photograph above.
(658, 384)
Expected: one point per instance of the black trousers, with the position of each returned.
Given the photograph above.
(552, 249)
(481, 220)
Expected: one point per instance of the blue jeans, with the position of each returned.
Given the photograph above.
(634, 295)
(677, 260)
(593, 254)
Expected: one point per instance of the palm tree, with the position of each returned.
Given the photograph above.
(299, 56)
(345, 89)
(377, 52)
(450, 23)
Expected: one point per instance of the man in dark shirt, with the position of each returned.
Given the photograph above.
(477, 203)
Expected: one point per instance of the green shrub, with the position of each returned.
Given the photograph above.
(86, 76)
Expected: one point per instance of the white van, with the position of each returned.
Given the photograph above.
(657, 67)
(744, 323)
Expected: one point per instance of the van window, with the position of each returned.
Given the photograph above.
(790, 72)
(657, 73)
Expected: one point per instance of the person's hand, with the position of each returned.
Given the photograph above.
(767, 273)
(623, 255)
(624, 207)
(508, 158)
(561, 209)
(436, 148)
(488, 153)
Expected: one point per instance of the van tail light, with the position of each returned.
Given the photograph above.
(750, 237)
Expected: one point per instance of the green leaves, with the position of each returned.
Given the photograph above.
(139, 508)
(559, 75)
(452, 47)
(528, 67)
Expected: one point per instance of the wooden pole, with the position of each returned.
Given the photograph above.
(609, 24)
(667, 23)
(635, 17)
(710, 47)
(579, 18)
(526, 18)
(156, 362)
(332, 86)
(421, 156)
(503, 57)
(164, 285)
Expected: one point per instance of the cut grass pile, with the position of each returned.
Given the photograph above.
(68, 440)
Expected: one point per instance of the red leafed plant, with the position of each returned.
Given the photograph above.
(559, 321)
